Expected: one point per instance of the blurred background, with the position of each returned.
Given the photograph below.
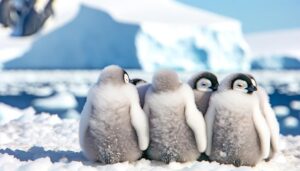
(51, 51)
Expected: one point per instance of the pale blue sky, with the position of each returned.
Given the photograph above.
(255, 15)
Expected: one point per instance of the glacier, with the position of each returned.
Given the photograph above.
(161, 34)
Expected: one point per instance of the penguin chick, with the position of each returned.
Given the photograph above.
(113, 126)
(237, 132)
(177, 128)
(203, 85)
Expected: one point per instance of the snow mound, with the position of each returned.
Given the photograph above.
(14, 113)
(46, 142)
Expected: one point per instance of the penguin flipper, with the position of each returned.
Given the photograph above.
(263, 132)
(194, 118)
(209, 119)
(270, 117)
(84, 118)
(139, 119)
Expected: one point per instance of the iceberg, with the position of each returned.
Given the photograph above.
(192, 48)
(174, 35)
(150, 34)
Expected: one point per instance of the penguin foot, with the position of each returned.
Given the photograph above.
(204, 157)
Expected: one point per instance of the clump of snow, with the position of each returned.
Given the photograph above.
(46, 142)
(60, 101)
(295, 104)
(291, 122)
(8, 113)
(281, 110)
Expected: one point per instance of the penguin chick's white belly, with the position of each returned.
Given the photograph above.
(110, 131)
(170, 137)
(235, 139)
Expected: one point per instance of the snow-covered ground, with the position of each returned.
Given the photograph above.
(46, 142)
(34, 141)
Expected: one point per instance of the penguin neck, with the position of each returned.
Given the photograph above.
(236, 101)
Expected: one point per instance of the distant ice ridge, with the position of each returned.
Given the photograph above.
(275, 49)
(192, 48)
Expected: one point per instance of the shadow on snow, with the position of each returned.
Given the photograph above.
(39, 152)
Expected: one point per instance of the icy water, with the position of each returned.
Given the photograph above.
(278, 99)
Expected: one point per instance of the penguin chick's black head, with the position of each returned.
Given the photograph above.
(244, 83)
(113, 74)
(137, 81)
(165, 80)
(206, 81)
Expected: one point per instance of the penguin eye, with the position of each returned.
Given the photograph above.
(240, 85)
(204, 84)
(126, 78)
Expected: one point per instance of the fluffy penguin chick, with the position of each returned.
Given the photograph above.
(177, 128)
(113, 126)
(203, 85)
(237, 132)
(142, 87)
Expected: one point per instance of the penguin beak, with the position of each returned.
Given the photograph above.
(132, 81)
(251, 89)
(215, 87)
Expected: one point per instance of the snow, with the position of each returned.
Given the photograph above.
(13, 113)
(46, 142)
